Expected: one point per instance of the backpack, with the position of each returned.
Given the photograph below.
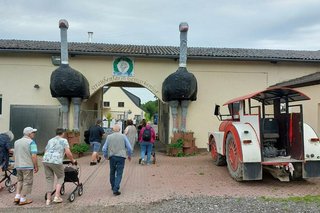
(146, 135)
(86, 136)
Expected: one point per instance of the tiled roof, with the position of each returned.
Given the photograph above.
(307, 80)
(159, 51)
(135, 99)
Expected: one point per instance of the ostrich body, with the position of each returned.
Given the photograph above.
(180, 87)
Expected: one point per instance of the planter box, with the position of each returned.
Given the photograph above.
(188, 143)
(73, 140)
(188, 136)
(189, 151)
(174, 151)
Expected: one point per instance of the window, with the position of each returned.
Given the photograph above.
(0, 104)
(120, 104)
(106, 104)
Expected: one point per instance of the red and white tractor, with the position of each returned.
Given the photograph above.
(265, 130)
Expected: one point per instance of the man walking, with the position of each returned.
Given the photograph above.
(25, 151)
(95, 138)
(116, 148)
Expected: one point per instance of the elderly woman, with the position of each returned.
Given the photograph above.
(131, 133)
(55, 150)
(5, 149)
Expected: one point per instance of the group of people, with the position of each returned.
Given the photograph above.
(26, 162)
(116, 149)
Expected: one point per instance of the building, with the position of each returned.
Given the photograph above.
(221, 73)
(121, 104)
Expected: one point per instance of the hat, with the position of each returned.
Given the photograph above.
(29, 130)
(10, 135)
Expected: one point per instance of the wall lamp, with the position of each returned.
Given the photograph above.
(36, 86)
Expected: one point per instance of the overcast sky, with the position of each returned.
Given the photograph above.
(259, 24)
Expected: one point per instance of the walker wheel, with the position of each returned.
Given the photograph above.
(62, 191)
(12, 189)
(80, 189)
(7, 183)
(72, 197)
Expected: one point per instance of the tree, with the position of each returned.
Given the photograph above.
(151, 108)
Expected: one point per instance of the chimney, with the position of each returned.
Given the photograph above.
(63, 25)
(183, 28)
(90, 34)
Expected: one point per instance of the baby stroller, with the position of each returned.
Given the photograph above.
(71, 175)
(9, 171)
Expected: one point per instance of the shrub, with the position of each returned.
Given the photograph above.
(80, 148)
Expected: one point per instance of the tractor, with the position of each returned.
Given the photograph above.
(264, 131)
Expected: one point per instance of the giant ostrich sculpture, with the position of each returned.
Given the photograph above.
(180, 87)
(68, 84)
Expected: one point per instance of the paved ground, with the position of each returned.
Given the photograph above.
(169, 178)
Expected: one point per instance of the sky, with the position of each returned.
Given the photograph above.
(257, 24)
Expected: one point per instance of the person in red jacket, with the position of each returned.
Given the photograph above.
(147, 136)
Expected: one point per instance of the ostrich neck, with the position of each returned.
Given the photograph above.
(183, 49)
(64, 46)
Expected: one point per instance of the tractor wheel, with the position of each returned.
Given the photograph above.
(218, 159)
(233, 159)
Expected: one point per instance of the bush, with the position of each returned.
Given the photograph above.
(80, 148)
(177, 144)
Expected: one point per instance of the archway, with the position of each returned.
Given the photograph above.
(94, 107)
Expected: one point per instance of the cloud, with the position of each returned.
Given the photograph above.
(287, 24)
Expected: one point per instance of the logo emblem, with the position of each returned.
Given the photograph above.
(123, 66)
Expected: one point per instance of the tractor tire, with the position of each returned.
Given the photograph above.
(218, 159)
(234, 165)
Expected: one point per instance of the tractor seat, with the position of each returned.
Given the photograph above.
(270, 128)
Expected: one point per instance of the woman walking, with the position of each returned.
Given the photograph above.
(131, 133)
(55, 150)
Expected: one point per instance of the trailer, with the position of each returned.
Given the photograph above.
(265, 131)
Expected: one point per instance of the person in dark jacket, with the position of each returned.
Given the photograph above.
(95, 138)
(5, 149)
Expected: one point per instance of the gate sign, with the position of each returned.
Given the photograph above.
(123, 66)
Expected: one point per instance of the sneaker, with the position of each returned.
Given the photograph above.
(57, 200)
(48, 202)
(27, 201)
(16, 200)
(142, 162)
(99, 159)
(93, 163)
(117, 193)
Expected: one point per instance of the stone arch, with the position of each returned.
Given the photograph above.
(124, 81)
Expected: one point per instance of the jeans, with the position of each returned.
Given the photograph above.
(116, 171)
(95, 146)
(146, 146)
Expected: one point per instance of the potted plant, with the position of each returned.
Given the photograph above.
(79, 149)
(176, 148)
(73, 136)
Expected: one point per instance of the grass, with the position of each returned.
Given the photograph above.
(304, 199)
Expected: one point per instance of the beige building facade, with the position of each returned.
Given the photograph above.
(118, 102)
(221, 74)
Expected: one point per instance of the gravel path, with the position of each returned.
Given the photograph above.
(195, 204)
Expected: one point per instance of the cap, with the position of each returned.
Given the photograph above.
(29, 130)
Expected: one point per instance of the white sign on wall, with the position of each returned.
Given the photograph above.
(123, 66)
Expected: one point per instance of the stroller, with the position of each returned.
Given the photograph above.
(9, 171)
(71, 175)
